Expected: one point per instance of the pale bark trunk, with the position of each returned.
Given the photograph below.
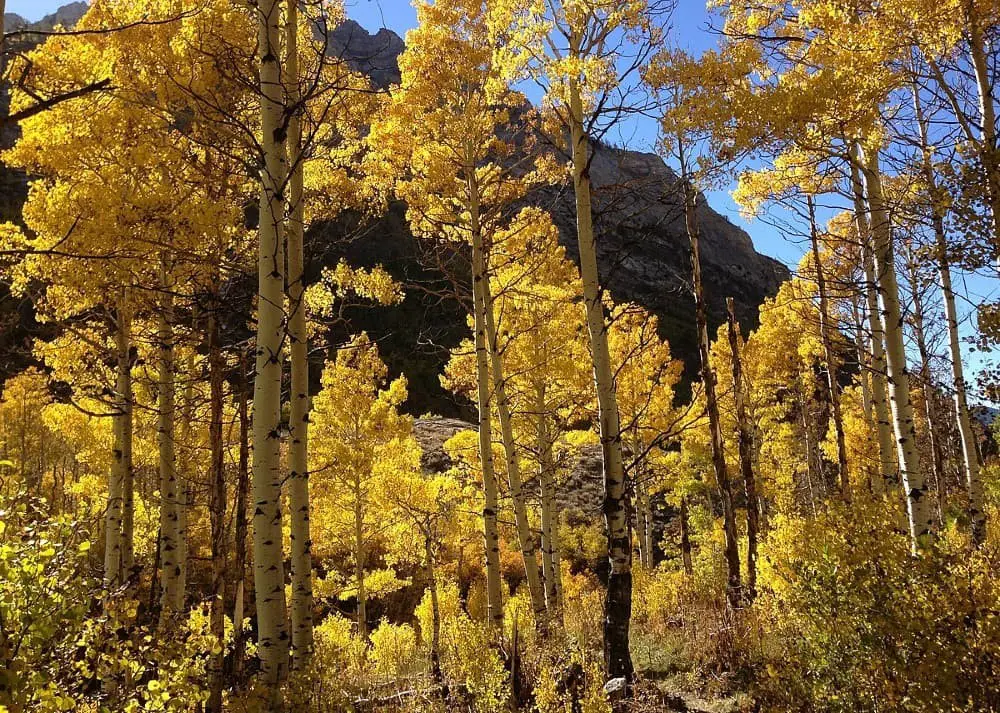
(217, 507)
(618, 603)
(240, 519)
(745, 437)
(971, 464)
(859, 348)
(987, 115)
(921, 521)
(269, 570)
(491, 498)
(359, 560)
(550, 513)
(928, 390)
(888, 478)
(733, 586)
(115, 569)
(825, 329)
(185, 468)
(525, 537)
(435, 610)
(171, 545)
(127, 432)
(298, 422)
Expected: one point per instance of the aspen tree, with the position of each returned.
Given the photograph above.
(927, 387)
(298, 448)
(708, 382)
(833, 385)
(461, 182)
(745, 443)
(921, 521)
(269, 576)
(888, 478)
(171, 489)
(575, 60)
(970, 455)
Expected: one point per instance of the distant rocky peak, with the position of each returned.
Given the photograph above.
(376, 55)
(65, 16)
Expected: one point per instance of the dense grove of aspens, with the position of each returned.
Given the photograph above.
(185, 527)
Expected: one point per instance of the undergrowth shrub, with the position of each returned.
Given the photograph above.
(859, 624)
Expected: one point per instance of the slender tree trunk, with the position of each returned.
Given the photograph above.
(927, 388)
(171, 534)
(888, 476)
(217, 509)
(550, 513)
(240, 519)
(987, 115)
(686, 538)
(491, 500)
(186, 461)
(435, 610)
(128, 466)
(971, 463)
(715, 422)
(114, 514)
(825, 329)
(618, 603)
(359, 560)
(745, 437)
(525, 537)
(298, 482)
(921, 520)
(859, 348)
(269, 569)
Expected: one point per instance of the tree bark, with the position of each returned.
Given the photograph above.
(436, 673)
(927, 388)
(618, 603)
(888, 475)
(987, 115)
(269, 570)
(921, 521)
(217, 509)
(359, 560)
(298, 422)
(115, 569)
(525, 537)
(733, 586)
(826, 332)
(491, 499)
(550, 513)
(745, 439)
(171, 534)
(971, 464)
(240, 519)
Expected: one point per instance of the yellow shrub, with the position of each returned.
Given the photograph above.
(393, 653)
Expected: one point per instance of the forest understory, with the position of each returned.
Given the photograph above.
(321, 390)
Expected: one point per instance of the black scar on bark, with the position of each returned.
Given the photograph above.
(617, 614)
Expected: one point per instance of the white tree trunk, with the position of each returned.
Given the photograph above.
(525, 537)
(491, 499)
(269, 574)
(298, 422)
(618, 602)
(171, 532)
(921, 519)
(887, 479)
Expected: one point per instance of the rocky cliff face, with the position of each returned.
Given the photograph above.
(642, 245)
